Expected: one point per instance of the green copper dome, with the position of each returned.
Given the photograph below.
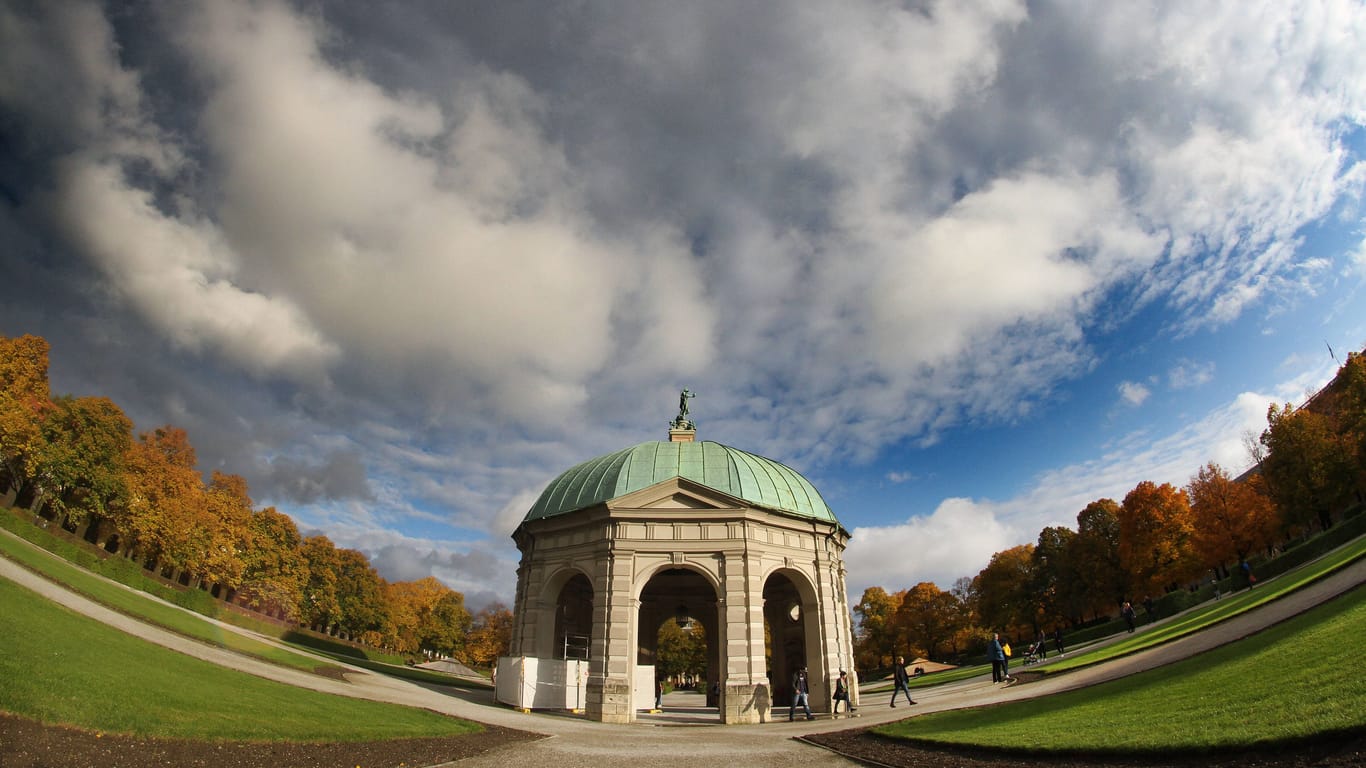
(754, 479)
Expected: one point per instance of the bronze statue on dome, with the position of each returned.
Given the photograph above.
(682, 421)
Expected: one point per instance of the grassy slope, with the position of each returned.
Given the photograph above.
(1293, 681)
(60, 667)
(138, 605)
(1194, 620)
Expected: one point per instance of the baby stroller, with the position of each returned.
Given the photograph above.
(1035, 653)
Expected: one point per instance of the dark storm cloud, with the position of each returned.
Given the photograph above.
(338, 476)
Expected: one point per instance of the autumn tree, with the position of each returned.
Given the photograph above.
(969, 634)
(451, 624)
(1095, 553)
(24, 403)
(227, 534)
(1352, 415)
(1231, 519)
(360, 597)
(1155, 537)
(77, 468)
(275, 571)
(490, 636)
(681, 650)
(1059, 587)
(320, 607)
(425, 615)
(927, 618)
(161, 516)
(875, 640)
(1004, 600)
(1307, 466)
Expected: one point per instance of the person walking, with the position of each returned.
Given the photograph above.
(1057, 641)
(842, 694)
(902, 681)
(1000, 663)
(800, 695)
(1127, 610)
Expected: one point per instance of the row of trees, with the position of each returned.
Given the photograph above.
(1310, 463)
(74, 461)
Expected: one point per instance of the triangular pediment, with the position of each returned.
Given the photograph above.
(679, 501)
(675, 493)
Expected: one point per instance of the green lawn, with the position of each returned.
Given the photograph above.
(60, 667)
(1291, 682)
(140, 606)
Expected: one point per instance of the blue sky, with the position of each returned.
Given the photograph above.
(968, 266)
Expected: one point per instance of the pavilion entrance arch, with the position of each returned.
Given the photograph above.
(687, 597)
(790, 611)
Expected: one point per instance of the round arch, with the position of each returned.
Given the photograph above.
(566, 631)
(791, 619)
(683, 594)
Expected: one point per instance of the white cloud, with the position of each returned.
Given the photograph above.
(1133, 393)
(1188, 374)
(179, 275)
(933, 548)
(1357, 260)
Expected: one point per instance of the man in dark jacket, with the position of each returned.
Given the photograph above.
(800, 695)
(902, 681)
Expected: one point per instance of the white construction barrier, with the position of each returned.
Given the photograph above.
(529, 683)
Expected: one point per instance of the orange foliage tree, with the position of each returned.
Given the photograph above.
(160, 517)
(875, 641)
(1308, 466)
(24, 401)
(1231, 519)
(927, 620)
(425, 615)
(490, 636)
(1156, 537)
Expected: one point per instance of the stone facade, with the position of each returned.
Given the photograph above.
(599, 581)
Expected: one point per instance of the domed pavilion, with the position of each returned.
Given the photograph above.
(684, 531)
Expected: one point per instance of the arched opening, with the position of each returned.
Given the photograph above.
(573, 619)
(679, 644)
(785, 637)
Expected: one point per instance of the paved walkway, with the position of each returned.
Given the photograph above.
(678, 735)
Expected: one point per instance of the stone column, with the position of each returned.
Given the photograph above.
(745, 694)
(612, 659)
